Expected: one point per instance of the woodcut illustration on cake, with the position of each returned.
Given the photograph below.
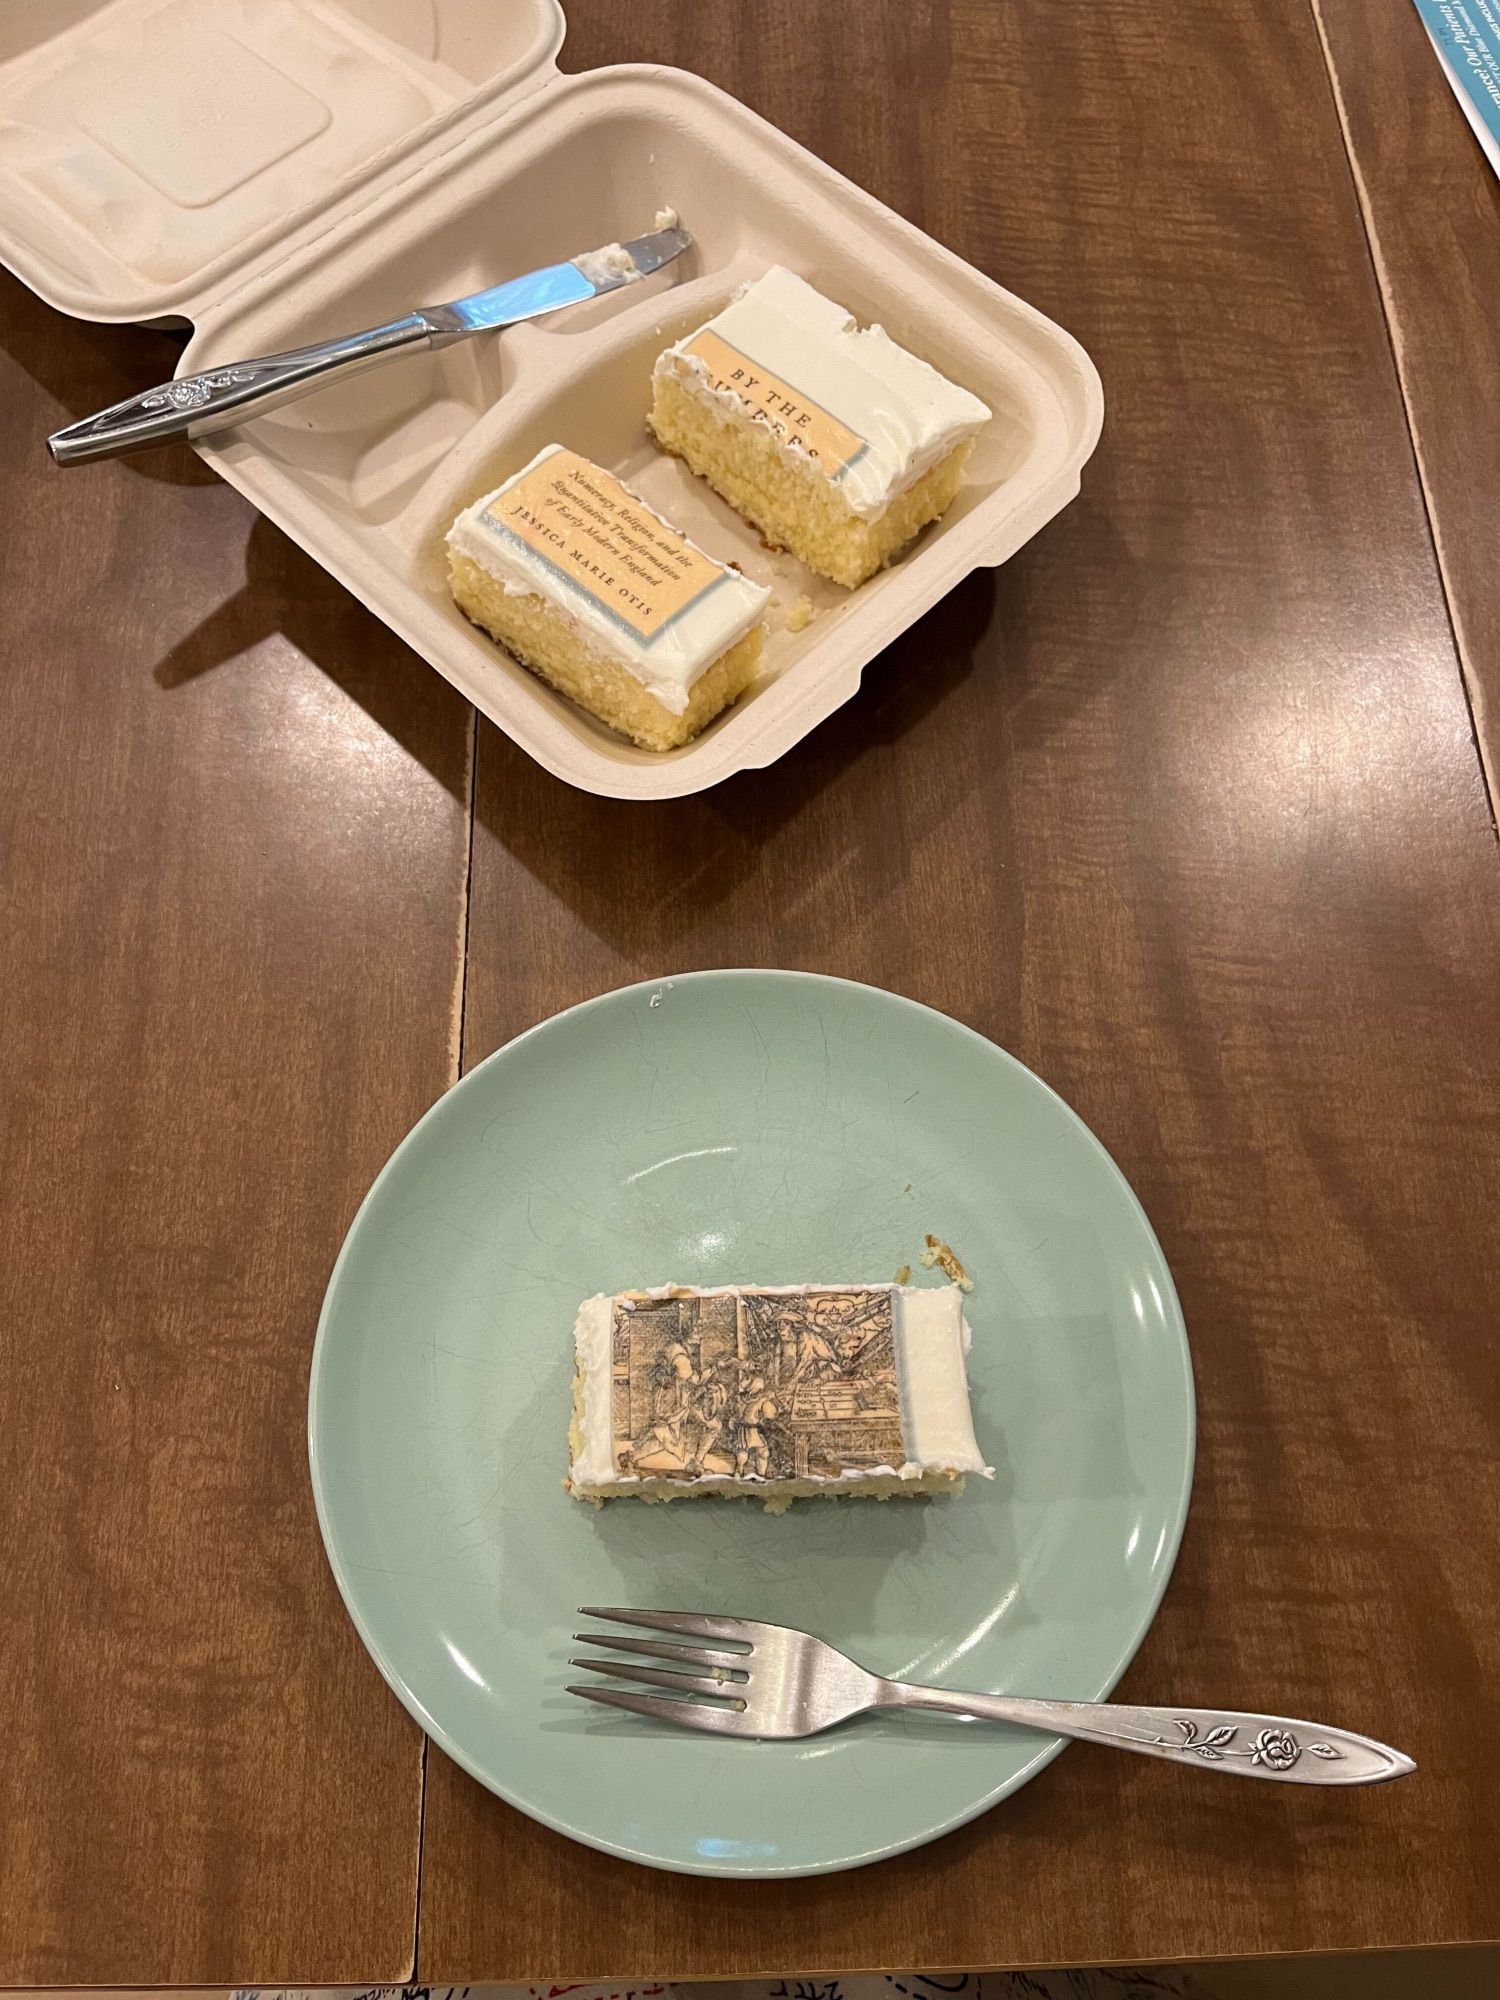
(755, 1386)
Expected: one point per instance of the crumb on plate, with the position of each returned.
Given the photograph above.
(939, 1252)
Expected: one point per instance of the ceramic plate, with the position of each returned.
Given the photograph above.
(766, 1127)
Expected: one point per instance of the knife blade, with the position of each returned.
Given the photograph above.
(582, 277)
(218, 398)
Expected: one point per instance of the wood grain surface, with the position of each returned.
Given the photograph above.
(1432, 209)
(234, 832)
(1182, 808)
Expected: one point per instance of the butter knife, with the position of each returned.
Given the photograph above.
(196, 405)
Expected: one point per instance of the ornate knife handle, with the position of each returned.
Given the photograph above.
(195, 405)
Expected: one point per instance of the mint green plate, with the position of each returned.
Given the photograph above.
(771, 1127)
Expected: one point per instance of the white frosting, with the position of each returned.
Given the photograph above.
(909, 416)
(931, 1339)
(594, 1453)
(677, 655)
(611, 266)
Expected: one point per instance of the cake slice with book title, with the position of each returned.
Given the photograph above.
(832, 440)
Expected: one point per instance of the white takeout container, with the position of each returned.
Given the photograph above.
(279, 171)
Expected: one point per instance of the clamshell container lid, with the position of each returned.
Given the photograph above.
(155, 150)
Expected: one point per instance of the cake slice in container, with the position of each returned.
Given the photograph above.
(601, 596)
(833, 441)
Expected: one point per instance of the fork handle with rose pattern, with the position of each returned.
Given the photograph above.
(1245, 1745)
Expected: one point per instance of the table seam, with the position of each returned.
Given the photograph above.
(1467, 679)
(456, 1070)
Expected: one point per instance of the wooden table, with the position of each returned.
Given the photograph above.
(1184, 806)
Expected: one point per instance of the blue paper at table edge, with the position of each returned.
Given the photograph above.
(1466, 36)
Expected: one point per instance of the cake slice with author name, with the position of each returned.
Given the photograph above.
(598, 594)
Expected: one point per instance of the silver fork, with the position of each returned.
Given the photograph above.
(772, 1681)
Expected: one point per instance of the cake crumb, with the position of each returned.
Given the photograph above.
(666, 218)
(801, 615)
(903, 1276)
(939, 1252)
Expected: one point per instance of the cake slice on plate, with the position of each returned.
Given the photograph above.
(826, 436)
(599, 595)
(773, 1393)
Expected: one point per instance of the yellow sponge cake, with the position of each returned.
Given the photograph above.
(829, 438)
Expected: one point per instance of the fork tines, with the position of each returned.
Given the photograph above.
(664, 1649)
(718, 1672)
(711, 1715)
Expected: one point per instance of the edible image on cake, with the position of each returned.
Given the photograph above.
(598, 541)
(791, 417)
(755, 1385)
